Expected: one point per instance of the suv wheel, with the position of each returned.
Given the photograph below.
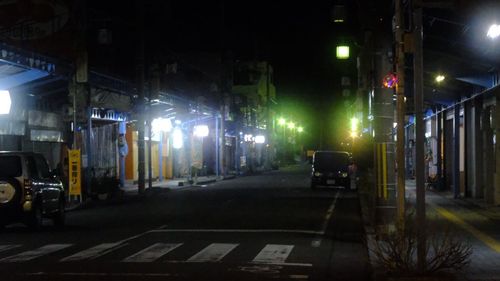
(35, 219)
(60, 216)
(10, 192)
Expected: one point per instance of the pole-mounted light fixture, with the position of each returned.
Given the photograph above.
(5, 102)
(342, 52)
(440, 78)
(494, 31)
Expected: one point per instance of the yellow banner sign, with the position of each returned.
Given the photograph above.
(310, 153)
(75, 186)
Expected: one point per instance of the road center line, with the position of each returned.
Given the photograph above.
(317, 241)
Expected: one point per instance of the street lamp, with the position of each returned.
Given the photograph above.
(291, 125)
(494, 31)
(5, 102)
(177, 138)
(300, 129)
(282, 121)
(440, 78)
(354, 124)
(200, 131)
(260, 139)
(342, 52)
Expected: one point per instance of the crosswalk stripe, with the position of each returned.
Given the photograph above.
(152, 252)
(30, 255)
(213, 252)
(273, 253)
(4, 248)
(94, 252)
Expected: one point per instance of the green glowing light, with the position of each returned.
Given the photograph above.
(354, 124)
(342, 52)
(282, 121)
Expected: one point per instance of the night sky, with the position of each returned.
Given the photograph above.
(297, 37)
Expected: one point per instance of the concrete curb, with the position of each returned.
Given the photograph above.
(128, 194)
(125, 196)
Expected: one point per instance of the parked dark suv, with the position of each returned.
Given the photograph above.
(29, 191)
(331, 168)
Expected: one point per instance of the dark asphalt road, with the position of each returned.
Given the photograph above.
(270, 226)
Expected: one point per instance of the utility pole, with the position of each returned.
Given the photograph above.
(82, 86)
(269, 124)
(419, 138)
(400, 114)
(223, 90)
(140, 82)
(383, 120)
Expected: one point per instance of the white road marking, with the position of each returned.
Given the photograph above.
(298, 276)
(152, 252)
(94, 252)
(297, 264)
(273, 254)
(89, 274)
(213, 252)
(141, 234)
(317, 241)
(30, 255)
(295, 231)
(4, 248)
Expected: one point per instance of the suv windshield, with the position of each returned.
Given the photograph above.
(10, 166)
(331, 160)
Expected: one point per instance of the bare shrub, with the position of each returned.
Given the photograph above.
(395, 252)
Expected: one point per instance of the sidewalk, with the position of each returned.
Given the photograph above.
(477, 222)
(471, 219)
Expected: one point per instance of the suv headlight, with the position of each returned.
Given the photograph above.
(318, 174)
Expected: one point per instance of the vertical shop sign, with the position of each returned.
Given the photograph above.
(75, 187)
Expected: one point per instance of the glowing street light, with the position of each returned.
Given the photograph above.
(300, 129)
(161, 125)
(291, 125)
(342, 52)
(178, 139)
(5, 102)
(494, 31)
(440, 78)
(354, 124)
(282, 121)
(260, 139)
(200, 131)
